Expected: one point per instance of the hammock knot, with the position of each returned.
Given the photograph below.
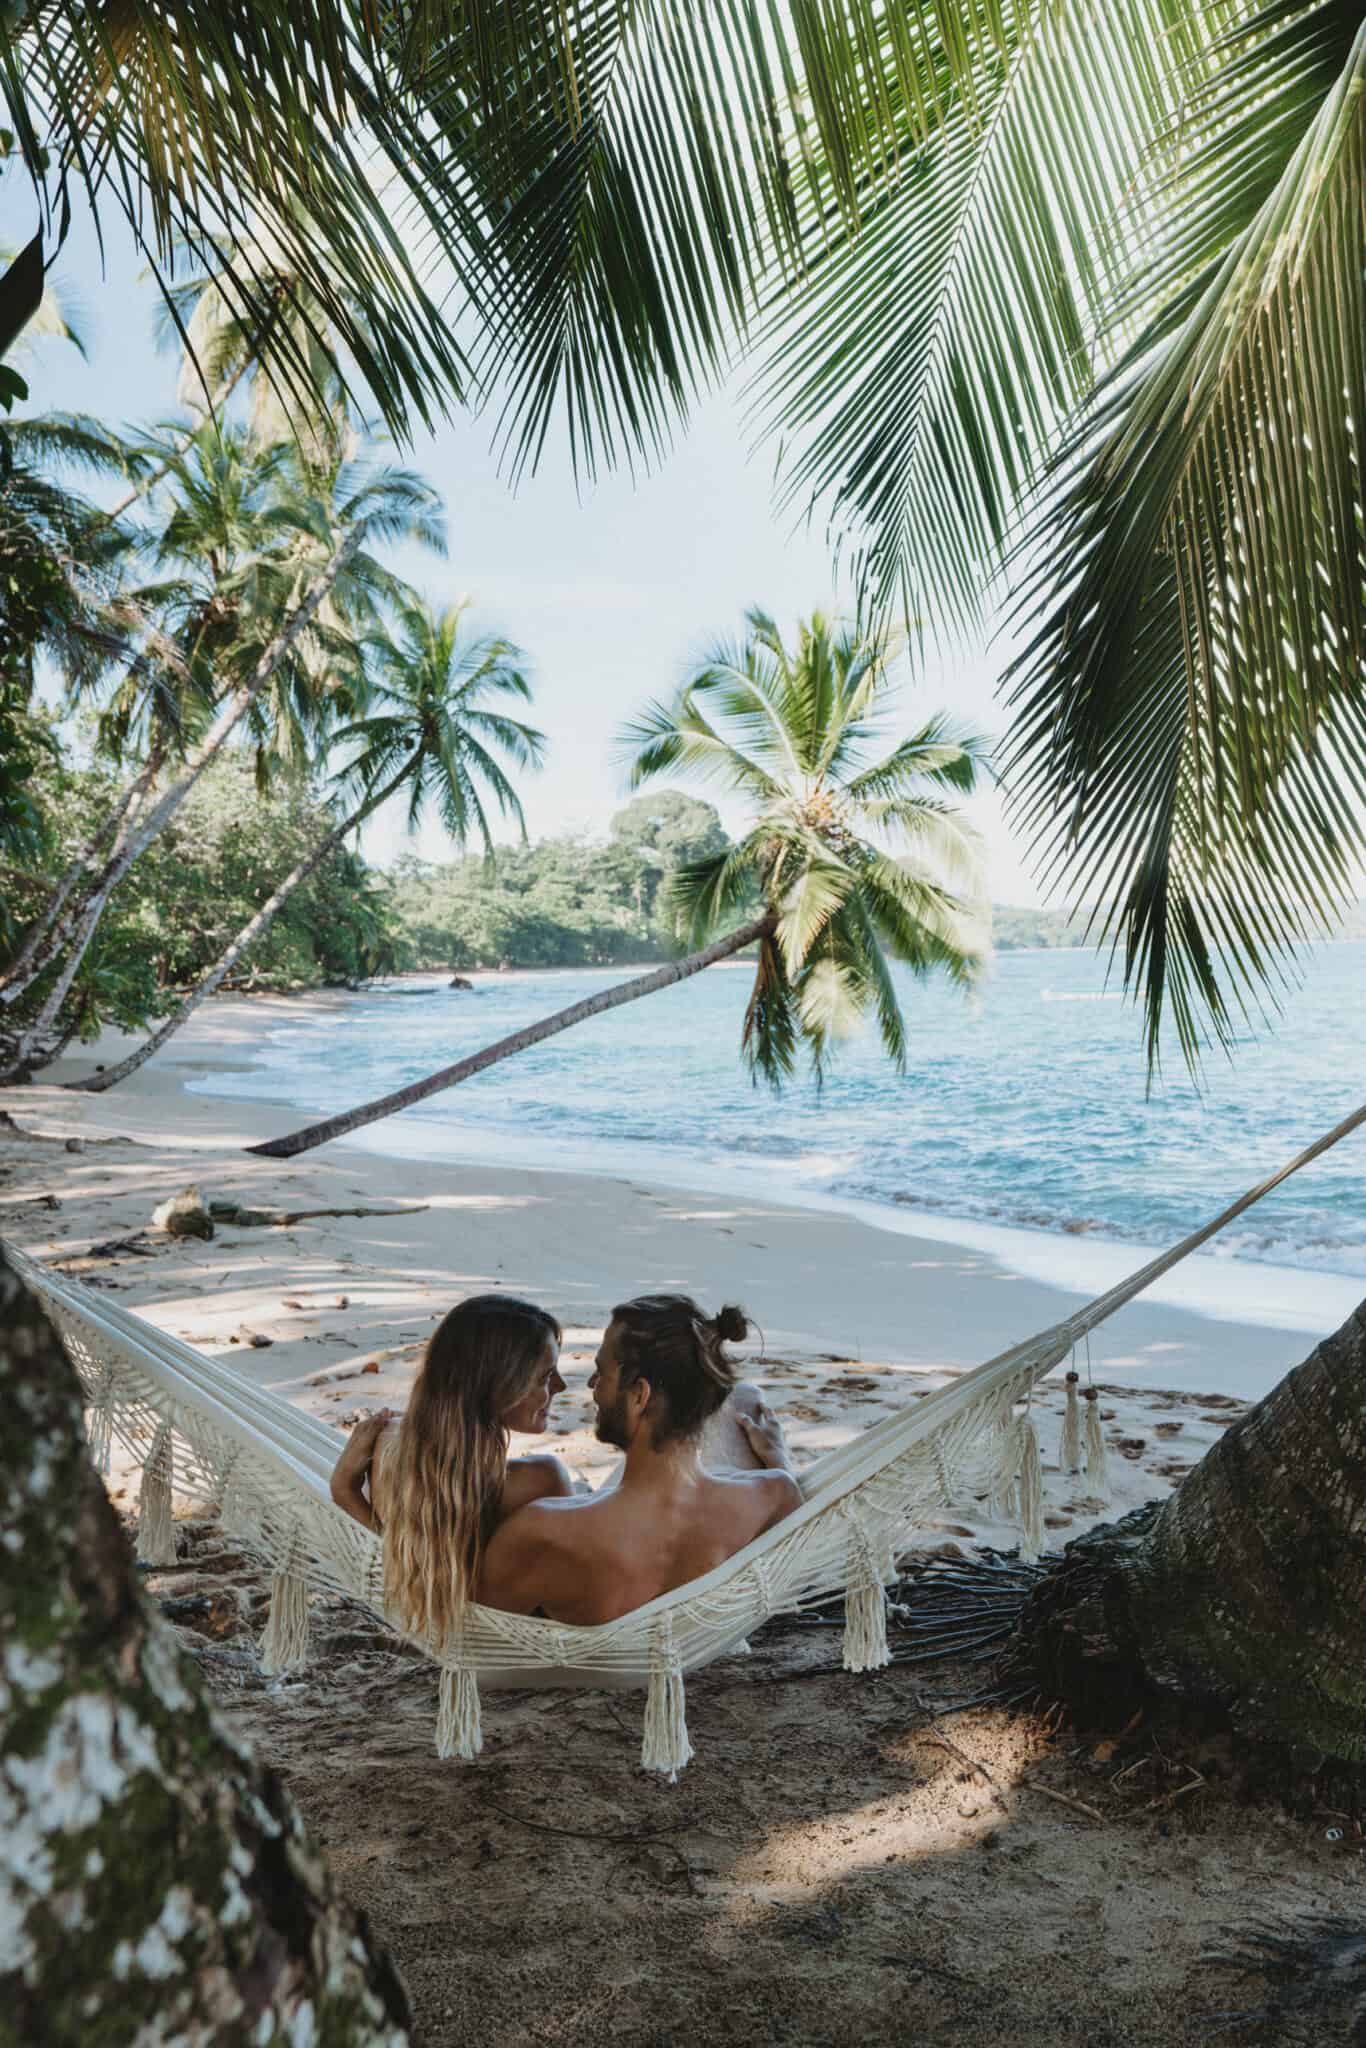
(156, 1532)
(101, 1425)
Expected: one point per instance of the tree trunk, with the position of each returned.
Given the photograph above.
(518, 1041)
(155, 1881)
(135, 841)
(34, 955)
(95, 1084)
(1246, 1588)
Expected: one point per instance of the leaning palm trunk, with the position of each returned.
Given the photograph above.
(41, 941)
(1246, 1587)
(95, 1084)
(136, 841)
(518, 1041)
(158, 1882)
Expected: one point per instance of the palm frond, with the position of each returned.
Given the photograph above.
(264, 145)
(819, 887)
(771, 1032)
(1192, 726)
(937, 753)
(678, 736)
(703, 896)
(919, 377)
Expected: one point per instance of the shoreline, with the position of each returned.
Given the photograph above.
(903, 1286)
(1079, 1262)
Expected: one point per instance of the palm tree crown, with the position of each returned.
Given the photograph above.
(798, 733)
(437, 730)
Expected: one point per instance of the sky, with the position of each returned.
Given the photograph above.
(610, 589)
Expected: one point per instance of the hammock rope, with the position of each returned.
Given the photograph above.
(269, 1467)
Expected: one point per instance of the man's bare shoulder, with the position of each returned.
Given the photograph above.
(773, 1486)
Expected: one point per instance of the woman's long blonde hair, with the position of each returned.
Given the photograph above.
(451, 1459)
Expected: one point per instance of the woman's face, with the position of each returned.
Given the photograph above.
(532, 1412)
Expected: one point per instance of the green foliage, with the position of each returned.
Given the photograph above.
(564, 903)
(196, 886)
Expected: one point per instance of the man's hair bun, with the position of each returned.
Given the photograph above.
(731, 1324)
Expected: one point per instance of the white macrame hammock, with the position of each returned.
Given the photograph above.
(198, 1425)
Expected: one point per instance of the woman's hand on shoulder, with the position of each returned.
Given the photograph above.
(764, 1434)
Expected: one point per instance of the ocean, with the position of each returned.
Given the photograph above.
(1023, 1113)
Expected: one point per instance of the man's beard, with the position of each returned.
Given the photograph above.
(611, 1425)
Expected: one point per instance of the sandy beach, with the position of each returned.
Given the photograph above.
(837, 1861)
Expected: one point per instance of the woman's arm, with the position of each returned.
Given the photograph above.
(538, 1477)
(352, 1468)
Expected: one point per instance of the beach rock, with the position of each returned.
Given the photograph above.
(255, 1338)
(184, 1215)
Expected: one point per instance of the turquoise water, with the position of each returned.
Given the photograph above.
(1025, 1108)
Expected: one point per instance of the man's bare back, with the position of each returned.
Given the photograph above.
(589, 1559)
(671, 1518)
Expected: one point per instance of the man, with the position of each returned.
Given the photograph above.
(661, 1378)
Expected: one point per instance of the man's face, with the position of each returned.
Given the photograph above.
(618, 1407)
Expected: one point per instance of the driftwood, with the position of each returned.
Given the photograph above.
(244, 1218)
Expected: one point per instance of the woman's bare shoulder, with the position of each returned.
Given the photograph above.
(538, 1477)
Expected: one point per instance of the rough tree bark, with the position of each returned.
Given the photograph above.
(516, 1041)
(156, 1884)
(1246, 1588)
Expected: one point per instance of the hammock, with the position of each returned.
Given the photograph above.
(204, 1427)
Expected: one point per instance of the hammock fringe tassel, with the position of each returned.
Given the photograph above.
(156, 1531)
(1069, 1456)
(285, 1638)
(1029, 1491)
(865, 1608)
(1095, 1446)
(664, 1744)
(459, 1731)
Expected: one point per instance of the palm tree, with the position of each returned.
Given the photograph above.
(438, 736)
(812, 882)
(276, 563)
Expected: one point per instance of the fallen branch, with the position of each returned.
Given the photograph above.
(1063, 1799)
(1170, 1798)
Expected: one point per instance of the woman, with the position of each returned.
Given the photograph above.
(441, 1481)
